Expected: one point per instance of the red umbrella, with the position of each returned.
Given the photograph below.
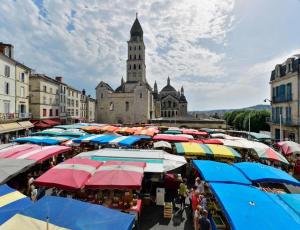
(69, 175)
(118, 175)
(193, 132)
(212, 141)
(289, 147)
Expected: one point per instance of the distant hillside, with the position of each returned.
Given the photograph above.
(221, 112)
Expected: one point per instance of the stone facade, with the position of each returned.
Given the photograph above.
(285, 87)
(134, 101)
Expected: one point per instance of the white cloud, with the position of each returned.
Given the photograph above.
(95, 48)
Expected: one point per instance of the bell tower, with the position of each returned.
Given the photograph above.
(136, 68)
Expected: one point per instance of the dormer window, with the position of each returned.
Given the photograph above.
(277, 71)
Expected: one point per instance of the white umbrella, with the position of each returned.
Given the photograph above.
(162, 144)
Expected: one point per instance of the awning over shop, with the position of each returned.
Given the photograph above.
(195, 149)
(213, 171)
(257, 172)
(42, 140)
(68, 214)
(117, 175)
(11, 202)
(10, 127)
(26, 124)
(12, 167)
(156, 160)
(249, 208)
(70, 174)
(51, 122)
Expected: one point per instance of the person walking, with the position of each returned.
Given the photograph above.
(183, 192)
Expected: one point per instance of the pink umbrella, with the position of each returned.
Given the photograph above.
(118, 175)
(289, 147)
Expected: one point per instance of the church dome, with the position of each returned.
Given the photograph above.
(168, 87)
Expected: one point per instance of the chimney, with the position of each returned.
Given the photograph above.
(59, 78)
(7, 50)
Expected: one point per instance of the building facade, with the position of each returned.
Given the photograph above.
(132, 102)
(44, 97)
(285, 86)
(14, 95)
(51, 98)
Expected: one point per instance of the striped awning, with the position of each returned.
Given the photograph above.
(195, 149)
(26, 124)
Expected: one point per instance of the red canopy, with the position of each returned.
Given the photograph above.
(34, 152)
(118, 175)
(169, 137)
(41, 124)
(212, 141)
(69, 175)
(51, 122)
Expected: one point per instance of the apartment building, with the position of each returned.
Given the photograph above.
(14, 94)
(91, 109)
(285, 86)
(53, 100)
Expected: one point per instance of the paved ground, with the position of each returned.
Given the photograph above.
(152, 218)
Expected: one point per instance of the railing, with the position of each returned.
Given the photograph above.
(282, 99)
(284, 121)
(14, 116)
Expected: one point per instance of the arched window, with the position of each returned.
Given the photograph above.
(169, 103)
(129, 66)
(134, 66)
(134, 57)
(111, 106)
(129, 47)
(174, 104)
(126, 105)
(139, 47)
(169, 113)
(130, 57)
(141, 95)
(139, 66)
(134, 47)
(172, 113)
(139, 56)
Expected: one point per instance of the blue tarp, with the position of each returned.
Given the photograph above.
(213, 171)
(37, 140)
(248, 208)
(74, 214)
(9, 210)
(104, 139)
(79, 139)
(292, 201)
(257, 172)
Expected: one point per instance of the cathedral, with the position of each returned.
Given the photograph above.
(134, 101)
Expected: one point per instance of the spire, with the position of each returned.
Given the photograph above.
(168, 81)
(136, 29)
(122, 81)
(155, 87)
(182, 90)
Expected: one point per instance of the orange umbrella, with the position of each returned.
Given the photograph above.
(108, 128)
(125, 130)
(91, 129)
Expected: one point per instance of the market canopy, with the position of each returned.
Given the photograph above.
(42, 140)
(156, 160)
(11, 202)
(195, 149)
(145, 132)
(3, 146)
(119, 140)
(194, 132)
(292, 201)
(117, 175)
(289, 147)
(249, 208)
(73, 126)
(70, 174)
(64, 213)
(35, 152)
(169, 137)
(213, 171)
(12, 167)
(257, 172)
(88, 138)
(162, 144)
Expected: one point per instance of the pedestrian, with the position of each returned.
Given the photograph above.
(183, 192)
(204, 223)
(200, 185)
(203, 201)
(195, 201)
(197, 216)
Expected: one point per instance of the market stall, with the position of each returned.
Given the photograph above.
(62, 213)
(70, 175)
(11, 202)
(42, 140)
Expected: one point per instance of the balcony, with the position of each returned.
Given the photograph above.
(14, 116)
(282, 99)
(284, 121)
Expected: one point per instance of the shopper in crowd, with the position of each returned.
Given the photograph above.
(204, 223)
(196, 217)
(200, 185)
(183, 192)
(195, 201)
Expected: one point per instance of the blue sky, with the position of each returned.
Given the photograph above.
(222, 52)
